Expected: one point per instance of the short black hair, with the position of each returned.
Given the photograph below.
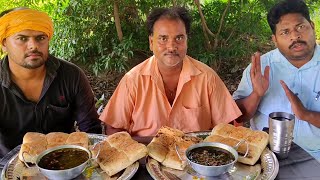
(286, 7)
(13, 9)
(170, 13)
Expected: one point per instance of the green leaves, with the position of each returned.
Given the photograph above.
(85, 30)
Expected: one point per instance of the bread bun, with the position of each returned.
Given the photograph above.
(118, 152)
(231, 135)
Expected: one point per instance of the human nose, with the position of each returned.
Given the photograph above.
(32, 44)
(295, 34)
(172, 44)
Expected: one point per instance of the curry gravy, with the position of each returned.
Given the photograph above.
(210, 156)
(62, 159)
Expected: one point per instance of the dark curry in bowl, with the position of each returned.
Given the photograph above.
(63, 162)
(210, 156)
(62, 159)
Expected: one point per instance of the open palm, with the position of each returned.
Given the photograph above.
(260, 82)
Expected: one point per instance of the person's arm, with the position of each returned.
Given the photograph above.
(260, 84)
(111, 130)
(299, 110)
(117, 114)
(248, 106)
(85, 112)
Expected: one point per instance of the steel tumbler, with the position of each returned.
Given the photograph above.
(281, 125)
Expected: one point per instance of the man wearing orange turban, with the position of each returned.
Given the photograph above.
(38, 92)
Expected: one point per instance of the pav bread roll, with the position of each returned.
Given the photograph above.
(30, 151)
(123, 142)
(230, 135)
(118, 152)
(172, 160)
(157, 151)
(163, 147)
(110, 159)
(116, 139)
(34, 137)
(78, 138)
(33, 144)
(56, 139)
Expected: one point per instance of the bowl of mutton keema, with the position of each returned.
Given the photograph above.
(211, 158)
(63, 162)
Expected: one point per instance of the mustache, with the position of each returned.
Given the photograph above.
(33, 52)
(172, 53)
(297, 42)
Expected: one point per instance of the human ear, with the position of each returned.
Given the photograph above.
(274, 39)
(312, 25)
(4, 46)
(151, 42)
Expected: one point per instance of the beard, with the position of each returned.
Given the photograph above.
(299, 55)
(34, 63)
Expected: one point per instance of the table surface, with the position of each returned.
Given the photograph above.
(298, 165)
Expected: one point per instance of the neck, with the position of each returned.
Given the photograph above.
(298, 63)
(19, 73)
(169, 72)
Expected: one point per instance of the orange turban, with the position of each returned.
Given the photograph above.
(19, 20)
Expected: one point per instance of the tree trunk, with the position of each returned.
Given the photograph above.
(117, 20)
(174, 2)
(205, 28)
(216, 41)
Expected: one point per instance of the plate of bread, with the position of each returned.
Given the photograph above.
(113, 160)
(165, 161)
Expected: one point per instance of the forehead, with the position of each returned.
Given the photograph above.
(291, 20)
(165, 26)
(28, 32)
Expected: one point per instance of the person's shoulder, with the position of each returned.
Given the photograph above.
(271, 56)
(66, 66)
(66, 69)
(140, 69)
(204, 68)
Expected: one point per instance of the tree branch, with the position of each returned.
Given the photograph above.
(117, 20)
(221, 24)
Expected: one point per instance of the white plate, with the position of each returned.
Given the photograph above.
(15, 169)
(268, 169)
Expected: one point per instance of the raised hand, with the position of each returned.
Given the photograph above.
(260, 82)
(297, 107)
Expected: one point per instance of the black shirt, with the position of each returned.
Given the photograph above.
(66, 98)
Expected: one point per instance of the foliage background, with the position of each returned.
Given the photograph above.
(85, 31)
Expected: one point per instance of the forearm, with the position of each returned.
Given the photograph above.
(111, 130)
(85, 112)
(248, 107)
(312, 117)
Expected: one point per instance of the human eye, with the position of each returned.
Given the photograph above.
(41, 38)
(284, 33)
(180, 38)
(22, 38)
(162, 39)
(301, 27)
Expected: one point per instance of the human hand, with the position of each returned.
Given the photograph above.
(297, 107)
(260, 82)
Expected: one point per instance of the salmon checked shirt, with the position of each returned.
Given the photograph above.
(140, 106)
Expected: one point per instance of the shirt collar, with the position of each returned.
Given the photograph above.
(279, 57)
(4, 72)
(52, 65)
(188, 68)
